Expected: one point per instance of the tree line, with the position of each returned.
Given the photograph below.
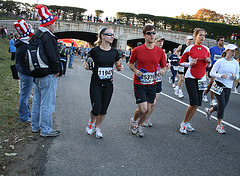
(211, 21)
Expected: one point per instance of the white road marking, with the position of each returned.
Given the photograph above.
(177, 100)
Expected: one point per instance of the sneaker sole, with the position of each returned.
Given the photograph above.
(140, 136)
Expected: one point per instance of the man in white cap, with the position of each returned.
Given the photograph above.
(182, 70)
(26, 79)
(45, 88)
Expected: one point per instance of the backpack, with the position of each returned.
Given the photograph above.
(63, 51)
(36, 58)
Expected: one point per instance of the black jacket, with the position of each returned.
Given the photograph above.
(49, 41)
(21, 49)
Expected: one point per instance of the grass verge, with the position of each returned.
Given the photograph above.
(12, 132)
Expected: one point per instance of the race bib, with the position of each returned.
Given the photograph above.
(158, 76)
(175, 68)
(148, 78)
(202, 84)
(216, 89)
(181, 69)
(216, 57)
(105, 72)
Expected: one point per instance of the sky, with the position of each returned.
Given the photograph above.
(169, 8)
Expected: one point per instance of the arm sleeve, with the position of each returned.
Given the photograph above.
(214, 70)
(183, 59)
(52, 52)
(163, 60)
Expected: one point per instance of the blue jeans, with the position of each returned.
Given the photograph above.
(174, 73)
(26, 85)
(43, 104)
(71, 59)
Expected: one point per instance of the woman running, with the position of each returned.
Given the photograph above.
(225, 70)
(199, 57)
(101, 86)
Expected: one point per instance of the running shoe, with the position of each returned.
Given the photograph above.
(235, 90)
(98, 132)
(205, 98)
(147, 123)
(213, 103)
(176, 78)
(139, 132)
(183, 128)
(189, 127)
(133, 126)
(176, 90)
(180, 93)
(169, 80)
(89, 128)
(220, 129)
(208, 114)
(173, 85)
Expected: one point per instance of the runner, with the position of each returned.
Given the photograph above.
(147, 58)
(101, 86)
(182, 70)
(173, 60)
(147, 123)
(225, 70)
(198, 57)
(215, 52)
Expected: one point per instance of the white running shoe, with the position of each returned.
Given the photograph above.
(169, 80)
(183, 128)
(89, 128)
(139, 132)
(176, 78)
(205, 98)
(176, 90)
(133, 126)
(220, 129)
(235, 90)
(173, 85)
(208, 114)
(98, 132)
(213, 103)
(180, 93)
(189, 127)
(147, 123)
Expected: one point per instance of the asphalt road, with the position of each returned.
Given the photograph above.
(162, 151)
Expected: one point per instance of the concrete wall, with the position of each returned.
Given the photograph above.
(122, 33)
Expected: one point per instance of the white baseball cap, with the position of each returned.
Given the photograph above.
(231, 47)
(189, 37)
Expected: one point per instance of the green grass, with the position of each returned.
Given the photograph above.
(9, 96)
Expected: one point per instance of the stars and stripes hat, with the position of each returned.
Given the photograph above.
(23, 29)
(44, 16)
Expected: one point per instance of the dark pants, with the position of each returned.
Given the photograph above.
(100, 95)
(222, 102)
(174, 73)
(13, 56)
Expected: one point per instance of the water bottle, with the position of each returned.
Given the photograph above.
(90, 63)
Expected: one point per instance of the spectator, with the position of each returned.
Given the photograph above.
(12, 47)
(44, 96)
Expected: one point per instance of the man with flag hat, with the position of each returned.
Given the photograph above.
(26, 79)
(45, 88)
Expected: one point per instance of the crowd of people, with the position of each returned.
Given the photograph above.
(147, 61)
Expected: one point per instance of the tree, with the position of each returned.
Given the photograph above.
(125, 17)
(98, 13)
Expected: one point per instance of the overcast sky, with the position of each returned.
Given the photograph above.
(169, 8)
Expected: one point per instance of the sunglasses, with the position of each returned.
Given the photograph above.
(108, 34)
(149, 33)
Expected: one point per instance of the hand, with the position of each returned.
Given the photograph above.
(162, 72)
(56, 74)
(234, 77)
(194, 61)
(224, 76)
(208, 59)
(138, 73)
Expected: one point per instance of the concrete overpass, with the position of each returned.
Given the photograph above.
(124, 35)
